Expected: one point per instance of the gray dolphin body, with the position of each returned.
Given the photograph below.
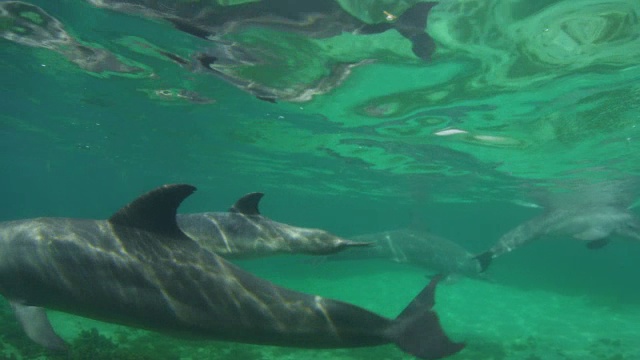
(596, 224)
(418, 248)
(139, 269)
(244, 233)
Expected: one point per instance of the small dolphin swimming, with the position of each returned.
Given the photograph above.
(138, 269)
(595, 224)
(243, 233)
(418, 248)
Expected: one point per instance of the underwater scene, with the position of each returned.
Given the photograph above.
(376, 179)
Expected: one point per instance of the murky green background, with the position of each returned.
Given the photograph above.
(542, 95)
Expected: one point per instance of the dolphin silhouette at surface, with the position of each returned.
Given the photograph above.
(418, 248)
(316, 19)
(139, 269)
(244, 233)
(242, 57)
(596, 224)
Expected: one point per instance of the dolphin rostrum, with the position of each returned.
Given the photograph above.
(29, 25)
(594, 223)
(244, 233)
(138, 268)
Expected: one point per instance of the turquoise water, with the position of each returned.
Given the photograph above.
(517, 100)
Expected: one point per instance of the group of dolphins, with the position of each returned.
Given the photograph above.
(149, 267)
(592, 214)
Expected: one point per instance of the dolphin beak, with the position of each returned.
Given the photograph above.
(351, 243)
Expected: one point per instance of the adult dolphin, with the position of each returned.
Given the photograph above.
(139, 269)
(416, 247)
(596, 224)
(243, 233)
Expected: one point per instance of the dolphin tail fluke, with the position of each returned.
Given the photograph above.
(484, 260)
(412, 24)
(417, 329)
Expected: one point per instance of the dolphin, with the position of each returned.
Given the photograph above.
(595, 224)
(418, 248)
(315, 19)
(244, 233)
(138, 268)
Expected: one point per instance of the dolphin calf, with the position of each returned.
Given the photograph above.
(418, 248)
(244, 233)
(138, 268)
(596, 224)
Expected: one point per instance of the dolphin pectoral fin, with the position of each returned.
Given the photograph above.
(417, 329)
(484, 260)
(598, 244)
(248, 204)
(155, 211)
(36, 325)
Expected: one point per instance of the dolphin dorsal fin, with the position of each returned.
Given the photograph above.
(248, 204)
(154, 211)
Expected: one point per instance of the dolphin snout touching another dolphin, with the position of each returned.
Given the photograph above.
(139, 269)
(243, 233)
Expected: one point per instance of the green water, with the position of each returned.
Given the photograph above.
(546, 94)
